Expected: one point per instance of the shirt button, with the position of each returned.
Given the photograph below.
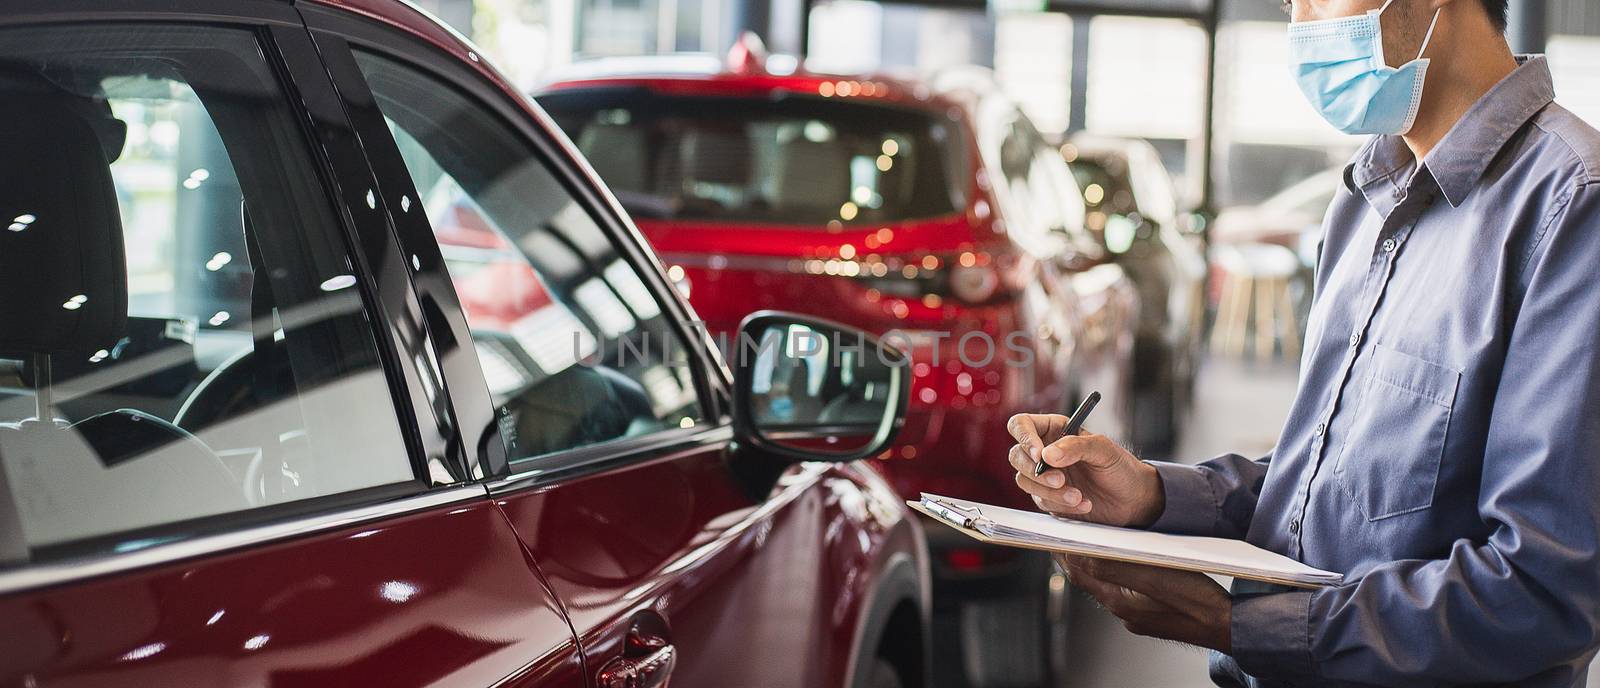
(1389, 245)
(1294, 526)
(1355, 339)
(1321, 428)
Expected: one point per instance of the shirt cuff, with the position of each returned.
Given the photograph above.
(1272, 634)
(1192, 507)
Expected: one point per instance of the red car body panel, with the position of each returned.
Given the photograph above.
(536, 586)
(766, 591)
(438, 597)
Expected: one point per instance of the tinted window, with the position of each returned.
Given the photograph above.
(574, 347)
(1108, 194)
(180, 336)
(1105, 184)
(791, 160)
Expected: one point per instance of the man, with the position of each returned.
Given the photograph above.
(1443, 449)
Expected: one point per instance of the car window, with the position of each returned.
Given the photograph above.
(1043, 206)
(1021, 185)
(575, 349)
(1105, 183)
(180, 332)
(794, 160)
(1062, 194)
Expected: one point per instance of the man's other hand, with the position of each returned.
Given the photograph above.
(1089, 477)
(1161, 603)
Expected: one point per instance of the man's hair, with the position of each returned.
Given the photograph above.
(1496, 9)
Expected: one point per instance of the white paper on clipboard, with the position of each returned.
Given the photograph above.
(1036, 530)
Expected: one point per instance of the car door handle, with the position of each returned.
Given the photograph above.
(649, 671)
(646, 662)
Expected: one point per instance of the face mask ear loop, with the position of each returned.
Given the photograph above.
(1429, 35)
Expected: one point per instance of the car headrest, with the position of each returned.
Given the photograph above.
(716, 157)
(63, 273)
(812, 175)
(617, 153)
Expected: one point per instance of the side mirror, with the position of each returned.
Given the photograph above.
(808, 389)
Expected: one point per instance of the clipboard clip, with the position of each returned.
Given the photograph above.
(963, 516)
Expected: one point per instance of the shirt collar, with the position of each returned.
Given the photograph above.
(1460, 158)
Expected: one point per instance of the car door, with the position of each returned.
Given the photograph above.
(222, 459)
(672, 557)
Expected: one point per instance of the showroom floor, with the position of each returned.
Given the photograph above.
(1239, 407)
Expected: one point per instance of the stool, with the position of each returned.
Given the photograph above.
(1266, 270)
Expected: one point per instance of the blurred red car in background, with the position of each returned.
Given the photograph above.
(930, 211)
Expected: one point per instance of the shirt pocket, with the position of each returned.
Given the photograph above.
(1389, 463)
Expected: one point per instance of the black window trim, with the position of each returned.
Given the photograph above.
(289, 53)
(335, 31)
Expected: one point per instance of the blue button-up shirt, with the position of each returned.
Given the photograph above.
(1443, 449)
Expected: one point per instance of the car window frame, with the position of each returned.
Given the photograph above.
(338, 35)
(288, 52)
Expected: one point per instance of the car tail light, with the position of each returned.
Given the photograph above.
(967, 560)
(964, 559)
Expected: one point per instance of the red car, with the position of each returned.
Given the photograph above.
(324, 361)
(930, 213)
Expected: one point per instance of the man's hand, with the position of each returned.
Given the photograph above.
(1160, 603)
(1090, 477)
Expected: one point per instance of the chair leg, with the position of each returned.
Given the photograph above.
(1266, 323)
(1291, 328)
(1219, 327)
(1239, 329)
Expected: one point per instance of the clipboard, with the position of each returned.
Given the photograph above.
(1038, 531)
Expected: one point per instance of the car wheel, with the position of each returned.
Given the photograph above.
(1018, 639)
(882, 674)
(1155, 406)
(1156, 420)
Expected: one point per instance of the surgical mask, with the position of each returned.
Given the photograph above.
(1339, 66)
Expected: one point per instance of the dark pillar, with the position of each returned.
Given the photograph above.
(805, 28)
(1528, 26)
(1208, 123)
(1078, 99)
(748, 15)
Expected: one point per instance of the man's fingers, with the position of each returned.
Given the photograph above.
(1093, 450)
(1120, 600)
(1068, 497)
(1035, 430)
(1181, 587)
(1019, 460)
(1060, 508)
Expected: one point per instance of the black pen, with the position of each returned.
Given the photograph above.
(1074, 424)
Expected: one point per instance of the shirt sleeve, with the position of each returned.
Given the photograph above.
(1527, 598)
(1216, 498)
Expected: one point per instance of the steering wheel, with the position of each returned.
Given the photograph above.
(229, 391)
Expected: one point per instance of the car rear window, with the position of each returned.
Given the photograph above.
(790, 159)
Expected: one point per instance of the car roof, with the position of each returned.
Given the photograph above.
(706, 75)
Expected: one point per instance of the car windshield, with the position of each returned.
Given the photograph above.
(1105, 184)
(791, 160)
